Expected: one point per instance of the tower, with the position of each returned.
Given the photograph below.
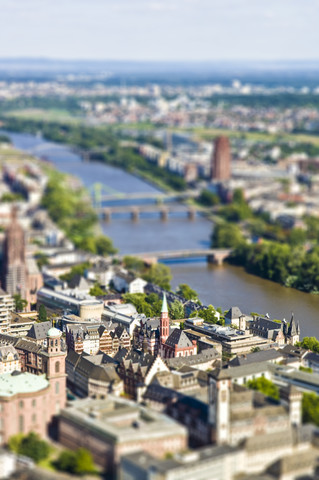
(164, 322)
(219, 405)
(293, 331)
(221, 160)
(54, 357)
(13, 274)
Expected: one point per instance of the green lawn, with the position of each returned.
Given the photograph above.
(47, 115)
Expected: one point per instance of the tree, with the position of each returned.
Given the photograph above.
(310, 408)
(264, 386)
(79, 462)
(226, 235)
(187, 292)
(42, 313)
(19, 302)
(208, 198)
(133, 263)
(96, 290)
(30, 445)
(309, 343)
(159, 274)
(208, 314)
(176, 310)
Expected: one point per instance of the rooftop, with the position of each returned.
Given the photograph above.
(17, 382)
(120, 420)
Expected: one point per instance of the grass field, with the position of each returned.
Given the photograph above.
(47, 115)
(202, 133)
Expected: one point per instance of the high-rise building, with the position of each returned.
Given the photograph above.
(6, 307)
(13, 274)
(221, 160)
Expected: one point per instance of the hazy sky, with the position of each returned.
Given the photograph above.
(160, 29)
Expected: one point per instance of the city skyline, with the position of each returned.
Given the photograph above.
(160, 30)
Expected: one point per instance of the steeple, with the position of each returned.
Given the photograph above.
(164, 321)
(164, 304)
(292, 330)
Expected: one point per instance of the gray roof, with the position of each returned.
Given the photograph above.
(39, 331)
(233, 312)
(262, 323)
(209, 354)
(179, 338)
(256, 357)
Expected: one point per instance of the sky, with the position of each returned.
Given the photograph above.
(160, 29)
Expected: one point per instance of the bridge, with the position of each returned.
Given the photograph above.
(213, 255)
(104, 193)
(163, 211)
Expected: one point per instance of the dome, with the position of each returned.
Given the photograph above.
(54, 332)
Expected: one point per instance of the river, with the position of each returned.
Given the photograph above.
(224, 286)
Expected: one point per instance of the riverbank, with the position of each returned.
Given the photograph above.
(107, 149)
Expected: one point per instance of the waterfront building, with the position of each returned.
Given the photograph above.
(221, 160)
(233, 341)
(279, 332)
(113, 427)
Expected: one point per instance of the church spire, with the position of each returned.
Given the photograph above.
(164, 321)
(164, 304)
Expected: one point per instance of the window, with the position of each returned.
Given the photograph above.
(57, 388)
(21, 423)
(57, 367)
(34, 418)
(34, 403)
(21, 404)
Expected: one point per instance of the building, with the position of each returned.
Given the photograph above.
(9, 359)
(14, 272)
(20, 323)
(237, 413)
(24, 404)
(6, 307)
(233, 341)
(221, 160)
(92, 376)
(113, 427)
(85, 306)
(279, 332)
(176, 343)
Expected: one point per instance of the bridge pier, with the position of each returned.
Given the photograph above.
(135, 214)
(164, 214)
(191, 213)
(107, 214)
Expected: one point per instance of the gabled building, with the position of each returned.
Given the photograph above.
(279, 332)
(176, 343)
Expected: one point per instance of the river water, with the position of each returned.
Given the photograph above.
(224, 286)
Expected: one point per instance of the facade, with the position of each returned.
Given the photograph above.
(280, 333)
(92, 376)
(20, 323)
(6, 307)
(9, 359)
(24, 404)
(237, 413)
(221, 160)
